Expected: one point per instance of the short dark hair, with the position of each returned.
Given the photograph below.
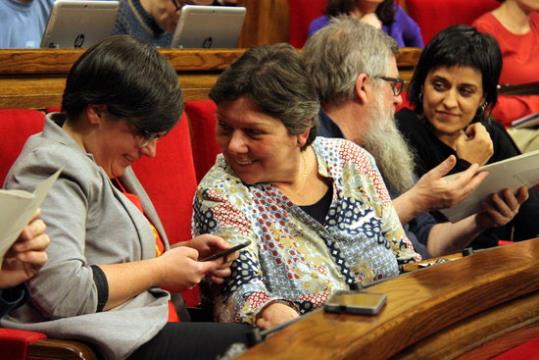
(131, 78)
(273, 77)
(385, 10)
(459, 45)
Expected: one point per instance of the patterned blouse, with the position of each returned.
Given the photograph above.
(292, 257)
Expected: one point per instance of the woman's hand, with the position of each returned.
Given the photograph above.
(474, 144)
(27, 255)
(502, 207)
(275, 314)
(207, 245)
(179, 268)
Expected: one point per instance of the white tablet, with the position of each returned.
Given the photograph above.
(208, 27)
(79, 23)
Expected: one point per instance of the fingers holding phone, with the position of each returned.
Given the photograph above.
(224, 258)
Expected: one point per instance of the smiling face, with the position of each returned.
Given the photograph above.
(451, 97)
(258, 147)
(116, 145)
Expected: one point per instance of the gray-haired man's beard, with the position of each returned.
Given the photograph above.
(393, 156)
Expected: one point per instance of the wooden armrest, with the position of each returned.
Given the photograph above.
(60, 349)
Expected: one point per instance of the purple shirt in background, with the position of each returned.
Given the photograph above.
(404, 29)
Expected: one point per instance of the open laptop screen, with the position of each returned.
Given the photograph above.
(79, 23)
(208, 27)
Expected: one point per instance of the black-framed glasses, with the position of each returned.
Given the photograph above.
(145, 137)
(397, 85)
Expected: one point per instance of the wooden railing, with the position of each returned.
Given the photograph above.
(475, 307)
(36, 78)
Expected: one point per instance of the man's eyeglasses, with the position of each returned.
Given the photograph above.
(397, 85)
(181, 3)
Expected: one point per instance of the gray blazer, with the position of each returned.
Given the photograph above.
(90, 222)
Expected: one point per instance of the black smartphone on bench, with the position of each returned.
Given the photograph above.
(356, 302)
(226, 252)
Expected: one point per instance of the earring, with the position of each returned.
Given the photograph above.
(484, 107)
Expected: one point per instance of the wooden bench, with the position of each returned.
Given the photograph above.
(472, 308)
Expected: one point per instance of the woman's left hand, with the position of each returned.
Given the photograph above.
(475, 145)
(27, 255)
(275, 314)
(502, 207)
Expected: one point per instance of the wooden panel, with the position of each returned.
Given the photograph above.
(488, 333)
(36, 78)
(59, 61)
(61, 350)
(420, 304)
(266, 22)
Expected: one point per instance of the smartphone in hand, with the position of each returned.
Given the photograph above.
(226, 252)
(356, 302)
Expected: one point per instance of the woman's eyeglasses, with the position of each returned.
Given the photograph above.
(145, 137)
(397, 85)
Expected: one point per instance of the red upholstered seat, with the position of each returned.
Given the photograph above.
(433, 16)
(201, 114)
(302, 12)
(16, 125)
(169, 179)
(527, 351)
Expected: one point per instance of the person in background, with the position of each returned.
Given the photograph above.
(515, 25)
(110, 261)
(22, 22)
(452, 90)
(382, 14)
(151, 21)
(317, 212)
(22, 262)
(360, 106)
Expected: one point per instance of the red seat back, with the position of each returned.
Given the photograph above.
(302, 12)
(201, 114)
(16, 125)
(169, 179)
(433, 16)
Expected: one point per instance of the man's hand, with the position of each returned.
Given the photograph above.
(433, 192)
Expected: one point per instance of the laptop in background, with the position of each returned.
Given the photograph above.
(209, 27)
(79, 23)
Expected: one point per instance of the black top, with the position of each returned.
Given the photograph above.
(430, 152)
(12, 298)
(320, 209)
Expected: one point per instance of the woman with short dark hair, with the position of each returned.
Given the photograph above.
(316, 211)
(110, 262)
(453, 89)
